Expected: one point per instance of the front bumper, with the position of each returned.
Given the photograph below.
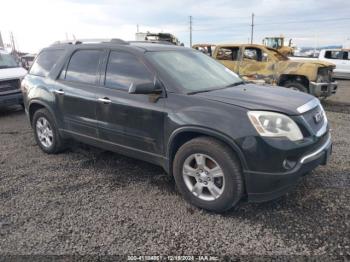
(267, 186)
(323, 89)
(11, 99)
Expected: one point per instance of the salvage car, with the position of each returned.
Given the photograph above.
(11, 75)
(221, 138)
(268, 66)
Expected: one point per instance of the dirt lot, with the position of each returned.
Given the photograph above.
(86, 201)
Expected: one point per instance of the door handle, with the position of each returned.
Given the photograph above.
(104, 100)
(59, 92)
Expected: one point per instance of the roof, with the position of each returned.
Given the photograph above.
(113, 43)
(156, 47)
(247, 45)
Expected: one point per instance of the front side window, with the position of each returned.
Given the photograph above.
(45, 62)
(228, 53)
(193, 71)
(255, 54)
(83, 66)
(123, 69)
(7, 61)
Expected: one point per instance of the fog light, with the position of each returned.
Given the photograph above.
(289, 164)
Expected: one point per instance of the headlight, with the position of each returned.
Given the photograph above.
(275, 125)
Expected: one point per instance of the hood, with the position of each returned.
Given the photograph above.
(12, 73)
(319, 63)
(256, 97)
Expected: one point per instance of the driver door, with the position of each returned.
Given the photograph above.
(256, 65)
(229, 57)
(134, 122)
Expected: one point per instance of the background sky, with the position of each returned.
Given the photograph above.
(38, 23)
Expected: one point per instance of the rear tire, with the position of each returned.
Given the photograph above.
(208, 174)
(297, 86)
(46, 132)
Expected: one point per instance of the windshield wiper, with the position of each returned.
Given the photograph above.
(208, 90)
(201, 91)
(3, 67)
(235, 84)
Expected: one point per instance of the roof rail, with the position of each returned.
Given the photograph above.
(92, 41)
(153, 42)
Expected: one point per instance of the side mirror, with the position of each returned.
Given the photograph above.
(146, 87)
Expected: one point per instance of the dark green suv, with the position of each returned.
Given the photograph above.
(175, 107)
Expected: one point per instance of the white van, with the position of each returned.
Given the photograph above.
(11, 75)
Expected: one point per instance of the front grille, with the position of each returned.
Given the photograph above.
(9, 85)
(310, 117)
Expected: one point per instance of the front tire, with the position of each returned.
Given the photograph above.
(208, 174)
(46, 133)
(297, 86)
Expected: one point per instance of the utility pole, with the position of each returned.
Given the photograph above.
(12, 42)
(1, 42)
(190, 31)
(252, 31)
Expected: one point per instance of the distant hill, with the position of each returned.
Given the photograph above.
(308, 48)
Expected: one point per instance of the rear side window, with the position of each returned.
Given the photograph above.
(334, 54)
(45, 62)
(124, 69)
(83, 66)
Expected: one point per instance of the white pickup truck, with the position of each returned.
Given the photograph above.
(339, 57)
(11, 75)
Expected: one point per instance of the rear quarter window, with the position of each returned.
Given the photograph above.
(45, 62)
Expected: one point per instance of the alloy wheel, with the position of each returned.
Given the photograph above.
(44, 132)
(203, 177)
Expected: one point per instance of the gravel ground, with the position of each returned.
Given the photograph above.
(87, 201)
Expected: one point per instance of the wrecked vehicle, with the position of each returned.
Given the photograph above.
(265, 65)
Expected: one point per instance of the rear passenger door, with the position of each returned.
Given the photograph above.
(76, 92)
(133, 122)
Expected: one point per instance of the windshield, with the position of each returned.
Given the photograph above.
(274, 42)
(7, 61)
(194, 71)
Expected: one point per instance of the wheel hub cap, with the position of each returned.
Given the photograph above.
(203, 177)
(44, 132)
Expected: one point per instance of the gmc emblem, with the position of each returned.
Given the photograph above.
(318, 117)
